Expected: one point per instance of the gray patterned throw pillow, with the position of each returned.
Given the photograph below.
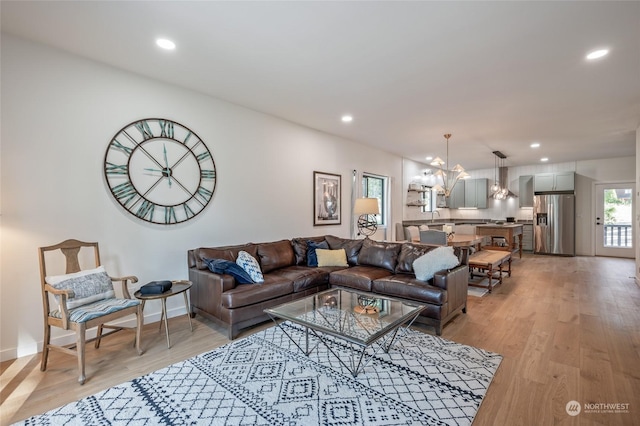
(88, 286)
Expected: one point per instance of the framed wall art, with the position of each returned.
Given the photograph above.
(327, 200)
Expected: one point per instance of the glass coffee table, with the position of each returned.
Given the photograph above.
(358, 318)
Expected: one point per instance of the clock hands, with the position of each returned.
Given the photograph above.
(166, 170)
(166, 163)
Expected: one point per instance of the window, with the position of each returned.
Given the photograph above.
(374, 186)
(427, 199)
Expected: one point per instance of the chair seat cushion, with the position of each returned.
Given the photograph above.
(97, 309)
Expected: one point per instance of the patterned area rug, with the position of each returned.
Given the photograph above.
(264, 379)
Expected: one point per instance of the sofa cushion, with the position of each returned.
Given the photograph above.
(226, 253)
(436, 260)
(357, 277)
(312, 258)
(250, 294)
(222, 266)
(251, 265)
(303, 277)
(351, 247)
(300, 248)
(332, 257)
(275, 255)
(408, 254)
(380, 254)
(408, 287)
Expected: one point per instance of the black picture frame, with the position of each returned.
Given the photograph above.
(327, 199)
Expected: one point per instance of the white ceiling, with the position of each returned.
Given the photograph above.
(497, 75)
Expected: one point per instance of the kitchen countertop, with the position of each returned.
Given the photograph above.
(463, 222)
(498, 225)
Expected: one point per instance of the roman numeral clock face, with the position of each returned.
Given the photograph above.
(160, 171)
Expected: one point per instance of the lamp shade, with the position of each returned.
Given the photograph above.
(366, 206)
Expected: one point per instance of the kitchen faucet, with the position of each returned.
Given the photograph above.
(432, 212)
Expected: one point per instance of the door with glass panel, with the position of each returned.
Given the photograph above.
(614, 220)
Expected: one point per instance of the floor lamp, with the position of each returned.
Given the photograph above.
(366, 209)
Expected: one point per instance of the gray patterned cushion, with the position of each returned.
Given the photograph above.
(88, 286)
(97, 309)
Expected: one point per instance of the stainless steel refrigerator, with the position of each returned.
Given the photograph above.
(554, 224)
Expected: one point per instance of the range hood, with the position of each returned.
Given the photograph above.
(502, 192)
(503, 173)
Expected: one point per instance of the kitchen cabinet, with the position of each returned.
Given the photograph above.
(525, 199)
(476, 193)
(511, 232)
(527, 237)
(546, 182)
(457, 196)
(471, 193)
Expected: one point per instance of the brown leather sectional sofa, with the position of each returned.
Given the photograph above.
(384, 268)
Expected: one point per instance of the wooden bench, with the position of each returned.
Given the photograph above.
(491, 261)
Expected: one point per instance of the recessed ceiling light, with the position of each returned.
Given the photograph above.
(535, 145)
(429, 158)
(544, 159)
(347, 119)
(596, 54)
(165, 44)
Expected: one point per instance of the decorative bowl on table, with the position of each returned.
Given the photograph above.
(366, 305)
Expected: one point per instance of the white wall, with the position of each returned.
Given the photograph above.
(637, 235)
(588, 173)
(60, 111)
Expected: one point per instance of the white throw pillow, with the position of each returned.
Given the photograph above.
(436, 260)
(424, 227)
(88, 286)
(250, 265)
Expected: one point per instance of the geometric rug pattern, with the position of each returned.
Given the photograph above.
(264, 379)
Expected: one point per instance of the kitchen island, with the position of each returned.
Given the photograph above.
(512, 232)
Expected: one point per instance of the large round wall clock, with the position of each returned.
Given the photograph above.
(160, 171)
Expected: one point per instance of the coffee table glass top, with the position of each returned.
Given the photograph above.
(358, 317)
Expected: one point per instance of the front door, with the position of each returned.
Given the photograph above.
(614, 220)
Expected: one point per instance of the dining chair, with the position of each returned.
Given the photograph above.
(85, 299)
(433, 237)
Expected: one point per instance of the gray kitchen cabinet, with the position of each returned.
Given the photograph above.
(565, 181)
(525, 199)
(527, 237)
(470, 193)
(546, 182)
(476, 193)
(457, 197)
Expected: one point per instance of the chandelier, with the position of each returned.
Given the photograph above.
(449, 177)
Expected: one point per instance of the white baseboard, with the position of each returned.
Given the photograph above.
(70, 337)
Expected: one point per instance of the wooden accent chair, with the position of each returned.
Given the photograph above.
(86, 299)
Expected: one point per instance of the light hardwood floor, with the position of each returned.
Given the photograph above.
(568, 328)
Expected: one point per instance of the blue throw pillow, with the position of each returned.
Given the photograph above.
(221, 266)
(312, 257)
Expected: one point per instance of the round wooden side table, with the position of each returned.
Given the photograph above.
(177, 287)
